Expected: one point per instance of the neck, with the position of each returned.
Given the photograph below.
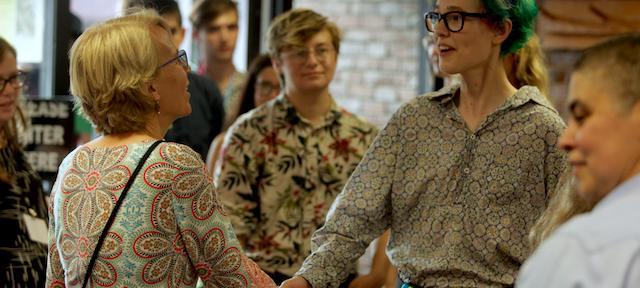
(482, 91)
(126, 138)
(312, 105)
(220, 71)
(157, 126)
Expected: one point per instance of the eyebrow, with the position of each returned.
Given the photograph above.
(450, 8)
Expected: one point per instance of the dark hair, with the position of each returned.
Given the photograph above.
(522, 14)
(617, 62)
(247, 99)
(204, 11)
(163, 7)
(11, 129)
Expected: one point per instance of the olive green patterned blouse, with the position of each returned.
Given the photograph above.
(459, 203)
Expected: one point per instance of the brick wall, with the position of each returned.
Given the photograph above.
(379, 55)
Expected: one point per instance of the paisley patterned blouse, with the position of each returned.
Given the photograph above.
(169, 231)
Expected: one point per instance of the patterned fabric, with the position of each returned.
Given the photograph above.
(459, 203)
(169, 231)
(22, 261)
(280, 174)
(232, 90)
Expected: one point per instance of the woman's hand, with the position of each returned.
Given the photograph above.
(367, 281)
(296, 282)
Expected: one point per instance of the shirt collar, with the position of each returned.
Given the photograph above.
(624, 190)
(292, 117)
(521, 97)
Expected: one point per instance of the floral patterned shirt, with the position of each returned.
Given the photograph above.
(280, 174)
(169, 231)
(459, 203)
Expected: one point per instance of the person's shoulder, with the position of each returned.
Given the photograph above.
(356, 120)
(272, 108)
(178, 154)
(601, 231)
(68, 160)
(540, 107)
(584, 244)
(430, 100)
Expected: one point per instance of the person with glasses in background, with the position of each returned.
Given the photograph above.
(262, 85)
(458, 175)
(207, 110)
(285, 161)
(23, 211)
(128, 209)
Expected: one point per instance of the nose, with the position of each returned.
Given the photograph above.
(225, 34)
(568, 137)
(312, 58)
(441, 28)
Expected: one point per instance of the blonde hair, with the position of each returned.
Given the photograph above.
(10, 130)
(529, 66)
(564, 204)
(109, 63)
(296, 27)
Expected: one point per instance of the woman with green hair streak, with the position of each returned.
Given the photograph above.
(458, 175)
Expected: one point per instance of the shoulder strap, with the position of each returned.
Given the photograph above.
(112, 217)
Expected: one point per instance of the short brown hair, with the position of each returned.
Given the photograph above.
(205, 11)
(109, 64)
(11, 129)
(296, 27)
(616, 62)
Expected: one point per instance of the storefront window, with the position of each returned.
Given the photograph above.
(23, 25)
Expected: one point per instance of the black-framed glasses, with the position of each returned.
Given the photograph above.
(454, 20)
(16, 80)
(181, 57)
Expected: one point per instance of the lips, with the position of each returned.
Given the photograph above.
(444, 49)
(576, 163)
(6, 104)
(312, 74)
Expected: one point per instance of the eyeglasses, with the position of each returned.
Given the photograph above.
(18, 80)
(182, 58)
(298, 54)
(267, 88)
(454, 20)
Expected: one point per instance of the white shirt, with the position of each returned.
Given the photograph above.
(597, 249)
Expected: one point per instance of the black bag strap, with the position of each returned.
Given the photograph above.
(112, 217)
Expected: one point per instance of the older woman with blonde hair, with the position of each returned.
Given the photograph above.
(127, 209)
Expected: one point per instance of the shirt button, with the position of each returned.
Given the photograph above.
(473, 136)
(466, 170)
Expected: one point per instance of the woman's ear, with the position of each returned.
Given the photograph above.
(502, 31)
(151, 89)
